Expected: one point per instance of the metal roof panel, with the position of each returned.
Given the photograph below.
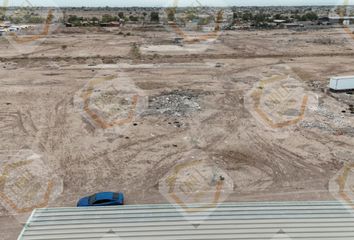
(277, 220)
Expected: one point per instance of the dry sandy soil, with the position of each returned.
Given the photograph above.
(190, 100)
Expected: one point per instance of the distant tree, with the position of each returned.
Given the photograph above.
(3, 11)
(121, 15)
(36, 20)
(106, 18)
(75, 20)
(259, 18)
(133, 18)
(247, 16)
(15, 20)
(171, 12)
(154, 17)
(277, 16)
(94, 19)
(311, 16)
(234, 15)
(297, 17)
(72, 18)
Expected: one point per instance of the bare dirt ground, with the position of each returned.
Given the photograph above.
(187, 100)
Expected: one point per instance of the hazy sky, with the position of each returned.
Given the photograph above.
(157, 3)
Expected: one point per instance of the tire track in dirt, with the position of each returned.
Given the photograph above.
(283, 167)
(16, 125)
(178, 58)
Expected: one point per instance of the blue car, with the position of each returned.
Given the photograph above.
(102, 199)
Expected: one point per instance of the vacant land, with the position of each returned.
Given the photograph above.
(108, 110)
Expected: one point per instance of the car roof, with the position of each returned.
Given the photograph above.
(103, 195)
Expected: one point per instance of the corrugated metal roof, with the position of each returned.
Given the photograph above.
(278, 220)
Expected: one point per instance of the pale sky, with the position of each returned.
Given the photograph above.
(159, 3)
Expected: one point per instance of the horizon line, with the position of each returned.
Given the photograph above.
(313, 5)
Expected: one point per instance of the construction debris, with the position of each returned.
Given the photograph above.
(174, 103)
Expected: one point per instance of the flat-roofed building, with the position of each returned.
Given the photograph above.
(275, 220)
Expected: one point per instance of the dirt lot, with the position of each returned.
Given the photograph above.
(153, 102)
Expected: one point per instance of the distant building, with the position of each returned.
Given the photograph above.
(346, 20)
(208, 28)
(293, 25)
(246, 220)
(278, 21)
(14, 29)
(7, 23)
(324, 21)
(115, 24)
(111, 24)
(84, 23)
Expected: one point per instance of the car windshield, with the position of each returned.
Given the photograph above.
(92, 199)
(217, 112)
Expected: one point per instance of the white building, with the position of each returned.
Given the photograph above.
(257, 221)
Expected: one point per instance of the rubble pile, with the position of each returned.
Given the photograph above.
(175, 103)
(326, 120)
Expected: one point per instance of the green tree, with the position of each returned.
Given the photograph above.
(259, 18)
(278, 16)
(35, 20)
(106, 18)
(133, 18)
(235, 15)
(247, 16)
(154, 17)
(297, 17)
(75, 20)
(94, 19)
(171, 14)
(311, 16)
